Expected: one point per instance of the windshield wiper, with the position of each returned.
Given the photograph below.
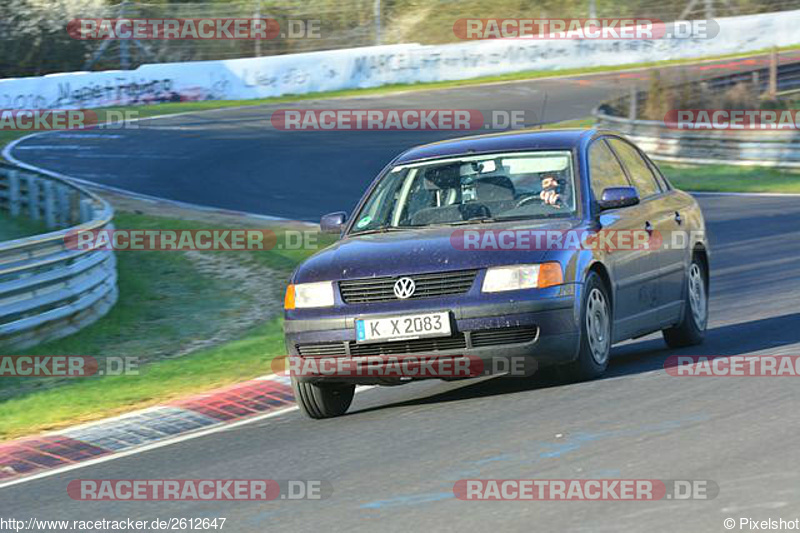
(489, 220)
(382, 229)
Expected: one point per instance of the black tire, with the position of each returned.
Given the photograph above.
(323, 400)
(691, 331)
(592, 358)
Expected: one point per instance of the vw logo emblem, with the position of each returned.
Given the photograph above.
(404, 288)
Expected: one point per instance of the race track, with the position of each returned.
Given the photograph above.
(302, 175)
(393, 459)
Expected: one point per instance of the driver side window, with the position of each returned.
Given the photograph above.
(604, 169)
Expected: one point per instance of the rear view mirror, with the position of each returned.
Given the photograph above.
(333, 222)
(616, 197)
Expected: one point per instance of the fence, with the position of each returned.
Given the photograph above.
(47, 290)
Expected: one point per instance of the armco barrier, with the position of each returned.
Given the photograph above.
(779, 149)
(47, 290)
(776, 148)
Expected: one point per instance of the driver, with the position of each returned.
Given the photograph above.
(552, 191)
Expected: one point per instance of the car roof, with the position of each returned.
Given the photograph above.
(562, 139)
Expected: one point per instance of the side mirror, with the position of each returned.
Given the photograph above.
(616, 197)
(333, 222)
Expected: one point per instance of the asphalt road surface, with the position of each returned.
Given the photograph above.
(393, 460)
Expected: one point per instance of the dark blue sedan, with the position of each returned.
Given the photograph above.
(516, 251)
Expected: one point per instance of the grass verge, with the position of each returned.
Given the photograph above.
(19, 227)
(192, 328)
(729, 178)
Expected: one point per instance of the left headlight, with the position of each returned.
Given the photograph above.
(304, 295)
(516, 277)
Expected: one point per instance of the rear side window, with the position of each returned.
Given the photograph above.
(604, 169)
(642, 176)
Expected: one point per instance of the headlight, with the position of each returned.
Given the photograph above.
(305, 295)
(516, 277)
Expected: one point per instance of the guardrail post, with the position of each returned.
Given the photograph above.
(634, 102)
(49, 205)
(62, 212)
(87, 210)
(13, 193)
(773, 73)
(33, 197)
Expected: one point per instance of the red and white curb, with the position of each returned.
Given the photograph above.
(149, 428)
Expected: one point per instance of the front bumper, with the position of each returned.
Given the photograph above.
(501, 331)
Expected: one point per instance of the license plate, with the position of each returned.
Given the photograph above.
(403, 327)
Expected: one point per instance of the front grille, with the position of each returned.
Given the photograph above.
(457, 341)
(321, 350)
(418, 346)
(496, 337)
(359, 291)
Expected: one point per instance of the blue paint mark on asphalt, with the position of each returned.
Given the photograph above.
(504, 457)
(547, 450)
(412, 499)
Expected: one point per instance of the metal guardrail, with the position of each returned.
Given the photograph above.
(775, 148)
(47, 289)
(770, 149)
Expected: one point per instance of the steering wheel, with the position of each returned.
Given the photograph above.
(529, 199)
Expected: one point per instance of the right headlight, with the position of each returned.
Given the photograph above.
(517, 277)
(304, 295)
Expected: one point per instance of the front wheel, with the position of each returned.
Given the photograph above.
(323, 400)
(595, 349)
(692, 329)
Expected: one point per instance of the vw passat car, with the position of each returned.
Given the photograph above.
(541, 246)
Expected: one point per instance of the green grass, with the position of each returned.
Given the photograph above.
(92, 398)
(164, 303)
(19, 227)
(728, 178)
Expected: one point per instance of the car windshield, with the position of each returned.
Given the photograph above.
(505, 186)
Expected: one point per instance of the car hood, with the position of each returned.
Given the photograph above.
(415, 251)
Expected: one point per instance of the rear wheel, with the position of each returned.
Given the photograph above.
(692, 329)
(323, 400)
(595, 348)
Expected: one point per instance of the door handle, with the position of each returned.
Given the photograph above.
(678, 218)
(648, 227)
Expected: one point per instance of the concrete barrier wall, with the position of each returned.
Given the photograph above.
(380, 65)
